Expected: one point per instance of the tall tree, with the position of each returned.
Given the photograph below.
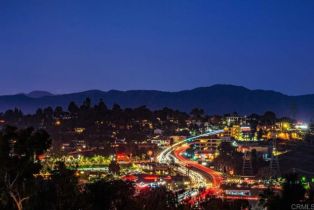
(73, 108)
(101, 107)
(59, 192)
(48, 111)
(65, 186)
(269, 117)
(58, 111)
(19, 161)
(87, 103)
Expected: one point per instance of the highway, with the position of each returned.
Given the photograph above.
(215, 177)
(198, 174)
(164, 156)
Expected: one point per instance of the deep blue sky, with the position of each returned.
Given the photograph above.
(64, 46)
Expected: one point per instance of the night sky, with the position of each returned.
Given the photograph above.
(68, 46)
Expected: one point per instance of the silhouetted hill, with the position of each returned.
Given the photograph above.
(38, 94)
(216, 99)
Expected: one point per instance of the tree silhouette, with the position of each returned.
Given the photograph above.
(197, 113)
(58, 111)
(293, 192)
(158, 198)
(65, 185)
(229, 158)
(20, 150)
(86, 104)
(269, 117)
(101, 106)
(111, 195)
(114, 167)
(73, 108)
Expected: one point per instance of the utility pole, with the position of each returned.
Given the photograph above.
(274, 161)
(247, 169)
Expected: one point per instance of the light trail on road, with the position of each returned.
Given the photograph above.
(196, 177)
(196, 173)
(164, 156)
(216, 177)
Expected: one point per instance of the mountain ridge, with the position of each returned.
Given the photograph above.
(38, 94)
(215, 99)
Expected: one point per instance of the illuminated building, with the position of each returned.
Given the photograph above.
(237, 132)
(206, 148)
(122, 157)
(235, 119)
(283, 126)
(161, 142)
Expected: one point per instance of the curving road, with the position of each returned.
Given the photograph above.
(198, 173)
(216, 177)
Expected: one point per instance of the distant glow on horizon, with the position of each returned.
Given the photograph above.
(302, 126)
